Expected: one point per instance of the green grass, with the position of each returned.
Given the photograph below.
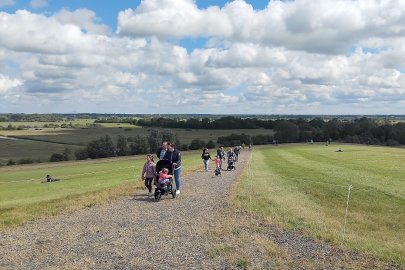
(304, 188)
(23, 197)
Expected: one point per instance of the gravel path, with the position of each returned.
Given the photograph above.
(131, 233)
(197, 230)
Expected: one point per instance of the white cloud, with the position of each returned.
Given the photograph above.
(329, 26)
(292, 57)
(9, 89)
(84, 18)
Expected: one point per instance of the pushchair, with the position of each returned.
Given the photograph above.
(165, 189)
(231, 163)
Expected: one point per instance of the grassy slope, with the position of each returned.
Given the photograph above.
(23, 197)
(304, 188)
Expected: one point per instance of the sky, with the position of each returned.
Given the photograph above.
(202, 56)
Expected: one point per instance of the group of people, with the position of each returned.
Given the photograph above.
(168, 152)
(232, 155)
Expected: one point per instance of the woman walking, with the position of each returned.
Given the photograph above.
(173, 155)
(149, 173)
(206, 158)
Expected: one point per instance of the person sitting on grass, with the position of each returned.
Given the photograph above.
(164, 177)
(50, 179)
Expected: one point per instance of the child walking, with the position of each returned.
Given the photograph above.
(218, 163)
(149, 173)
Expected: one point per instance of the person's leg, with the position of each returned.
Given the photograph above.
(177, 174)
(206, 164)
(148, 184)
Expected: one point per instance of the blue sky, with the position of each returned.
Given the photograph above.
(300, 57)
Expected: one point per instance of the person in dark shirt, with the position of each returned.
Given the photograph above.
(162, 151)
(173, 155)
(206, 159)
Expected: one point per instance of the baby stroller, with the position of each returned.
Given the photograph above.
(231, 163)
(167, 188)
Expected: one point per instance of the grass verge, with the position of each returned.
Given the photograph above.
(304, 188)
(24, 198)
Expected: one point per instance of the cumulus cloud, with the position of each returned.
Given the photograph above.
(330, 26)
(7, 84)
(84, 18)
(291, 57)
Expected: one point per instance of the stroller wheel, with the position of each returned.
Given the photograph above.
(158, 196)
(174, 193)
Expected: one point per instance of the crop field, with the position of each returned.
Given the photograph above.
(42, 143)
(305, 188)
(24, 197)
(83, 136)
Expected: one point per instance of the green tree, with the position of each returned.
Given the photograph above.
(197, 144)
(101, 148)
(122, 146)
(56, 157)
(139, 145)
(286, 131)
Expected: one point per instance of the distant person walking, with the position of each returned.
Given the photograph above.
(236, 151)
(173, 155)
(162, 151)
(148, 173)
(221, 155)
(218, 162)
(206, 159)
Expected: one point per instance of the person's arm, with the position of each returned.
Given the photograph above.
(154, 170)
(143, 172)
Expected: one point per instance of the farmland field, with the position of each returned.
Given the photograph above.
(305, 188)
(42, 143)
(23, 197)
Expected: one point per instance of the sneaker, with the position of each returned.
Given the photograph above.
(177, 192)
(150, 194)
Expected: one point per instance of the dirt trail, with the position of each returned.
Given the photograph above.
(131, 233)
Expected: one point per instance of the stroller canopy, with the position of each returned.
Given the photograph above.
(164, 163)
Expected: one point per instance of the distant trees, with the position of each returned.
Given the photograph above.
(197, 144)
(122, 146)
(286, 131)
(101, 148)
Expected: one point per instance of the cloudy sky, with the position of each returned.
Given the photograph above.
(203, 56)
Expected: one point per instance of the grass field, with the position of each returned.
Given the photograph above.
(305, 188)
(41, 144)
(85, 183)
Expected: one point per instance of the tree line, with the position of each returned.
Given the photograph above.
(360, 131)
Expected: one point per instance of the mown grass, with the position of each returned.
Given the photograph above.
(84, 184)
(304, 188)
